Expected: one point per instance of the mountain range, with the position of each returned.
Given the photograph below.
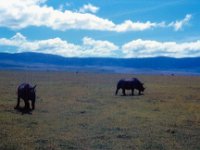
(40, 61)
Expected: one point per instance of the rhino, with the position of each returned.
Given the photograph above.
(130, 84)
(26, 92)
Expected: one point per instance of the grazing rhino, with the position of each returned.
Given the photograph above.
(26, 92)
(129, 84)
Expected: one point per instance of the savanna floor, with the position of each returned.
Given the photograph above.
(80, 111)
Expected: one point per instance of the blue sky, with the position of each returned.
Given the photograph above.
(101, 28)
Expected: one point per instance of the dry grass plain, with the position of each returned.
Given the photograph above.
(80, 111)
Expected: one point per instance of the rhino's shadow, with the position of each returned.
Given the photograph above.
(23, 111)
(127, 95)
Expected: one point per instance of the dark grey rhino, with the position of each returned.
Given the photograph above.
(26, 92)
(130, 84)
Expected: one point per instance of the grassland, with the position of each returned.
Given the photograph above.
(80, 111)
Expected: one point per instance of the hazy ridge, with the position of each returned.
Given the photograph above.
(39, 61)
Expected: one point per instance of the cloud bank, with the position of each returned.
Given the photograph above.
(57, 46)
(98, 48)
(149, 48)
(19, 14)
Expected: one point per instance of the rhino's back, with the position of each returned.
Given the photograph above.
(125, 83)
(129, 83)
(23, 86)
(23, 90)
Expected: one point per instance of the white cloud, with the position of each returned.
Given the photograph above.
(99, 48)
(178, 25)
(18, 14)
(89, 47)
(16, 40)
(148, 48)
(88, 8)
(134, 26)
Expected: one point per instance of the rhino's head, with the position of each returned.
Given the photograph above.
(32, 89)
(141, 88)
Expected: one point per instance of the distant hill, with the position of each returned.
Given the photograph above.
(52, 62)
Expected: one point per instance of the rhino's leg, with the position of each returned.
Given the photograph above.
(132, 90)
(139, 93)
(25, 102)
(123, 91)
(18, 103)
(27, 106)
(33, 104)
(116, 91)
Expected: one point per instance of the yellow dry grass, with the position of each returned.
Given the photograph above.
(80, 111)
